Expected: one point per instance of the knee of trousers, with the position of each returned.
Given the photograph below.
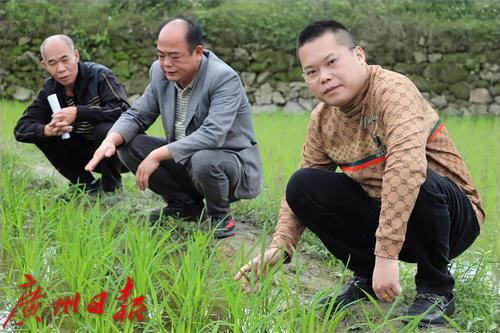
(125, 156)
(297, 188)
(100, 131)
(432, 202)
(48, 145)
(205, 165)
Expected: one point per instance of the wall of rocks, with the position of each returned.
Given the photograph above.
(456, 66)
(459, 83)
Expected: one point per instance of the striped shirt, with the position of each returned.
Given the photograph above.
(181, 103)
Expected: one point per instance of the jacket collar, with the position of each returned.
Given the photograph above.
(80, 81)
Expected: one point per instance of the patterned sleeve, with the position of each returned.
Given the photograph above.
(288, 229)
(406, 164)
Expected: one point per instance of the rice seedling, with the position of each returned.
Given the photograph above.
(88, 246)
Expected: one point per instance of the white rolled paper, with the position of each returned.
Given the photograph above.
(56, 107)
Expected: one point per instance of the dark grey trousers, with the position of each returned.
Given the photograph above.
(209, 174)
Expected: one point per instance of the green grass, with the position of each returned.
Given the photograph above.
(183, 274)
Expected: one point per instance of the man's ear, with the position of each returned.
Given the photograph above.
(44, 65)
(359, 53)
(77, 55)
(198, 50)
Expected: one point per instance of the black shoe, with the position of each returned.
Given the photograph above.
(223, 227)
(109, 198)
(434, 306)
(191, 212)
(354, 290)
(93, 187)
(76, 190)
(110, 189)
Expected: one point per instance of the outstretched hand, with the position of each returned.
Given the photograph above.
(105, 150)
(259, 266)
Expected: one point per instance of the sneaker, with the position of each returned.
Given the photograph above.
(191, 212)
(223, 227)
(355, 289)
(434, 306)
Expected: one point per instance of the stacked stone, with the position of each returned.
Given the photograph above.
(456, 82)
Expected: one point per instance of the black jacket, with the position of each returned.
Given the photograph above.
(97, 94)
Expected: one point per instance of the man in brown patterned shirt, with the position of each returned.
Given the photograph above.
(404, 192)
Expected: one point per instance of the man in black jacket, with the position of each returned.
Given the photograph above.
(91, 101)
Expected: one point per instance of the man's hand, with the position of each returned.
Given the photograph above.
(271, 257)
(105, 150)
(385, 280)
(67, 114)
(144, 171)
(149, 165)
(56, 129)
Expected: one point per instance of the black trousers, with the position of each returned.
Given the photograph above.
(70, 156)
(442, 224)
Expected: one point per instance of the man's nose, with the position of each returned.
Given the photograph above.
(166, 62)
(60, 67)
(325, 74)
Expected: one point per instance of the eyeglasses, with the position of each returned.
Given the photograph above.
(312, 74)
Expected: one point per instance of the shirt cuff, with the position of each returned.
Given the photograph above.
(281, 241)
(39, 131)
(388, 248)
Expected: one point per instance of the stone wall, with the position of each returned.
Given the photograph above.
(455, 64)
(276, 83)
(457, 82)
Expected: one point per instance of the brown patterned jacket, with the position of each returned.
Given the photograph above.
(385, 140)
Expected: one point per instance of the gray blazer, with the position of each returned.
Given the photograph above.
(218, 117)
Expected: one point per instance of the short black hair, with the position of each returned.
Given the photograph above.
(194, 36)
(319, 28)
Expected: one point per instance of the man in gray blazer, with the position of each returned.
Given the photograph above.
(209, 152)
